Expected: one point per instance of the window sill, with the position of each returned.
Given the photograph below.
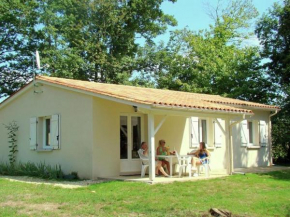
(44, 150)
(254, 147)
(211, 148)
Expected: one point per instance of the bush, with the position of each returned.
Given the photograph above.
(31, 169)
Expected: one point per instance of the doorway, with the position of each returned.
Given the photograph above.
(131, 136)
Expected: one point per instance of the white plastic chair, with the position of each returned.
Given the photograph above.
(183, 163)
(205, 166)
(144, 162)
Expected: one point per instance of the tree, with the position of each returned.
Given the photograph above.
(213, 61)
(96, 40)
(274, 33)
(17, 34)
(90, 40)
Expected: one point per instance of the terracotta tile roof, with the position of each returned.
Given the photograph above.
(160, 98)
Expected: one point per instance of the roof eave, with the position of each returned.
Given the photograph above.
(202, 110)
(256, 108)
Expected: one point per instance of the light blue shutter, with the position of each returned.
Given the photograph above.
(263, 134)
(54, 132)
(194, 132)
(217, 134)
(33, 133)
(244, 133)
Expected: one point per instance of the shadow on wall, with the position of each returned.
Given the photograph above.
(239, 152)
(263, 157)
(172, 131)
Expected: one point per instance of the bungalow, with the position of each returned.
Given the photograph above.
(96, 129)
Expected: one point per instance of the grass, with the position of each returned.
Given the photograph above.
(249, 195)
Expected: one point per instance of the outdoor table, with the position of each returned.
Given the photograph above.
(170, 157)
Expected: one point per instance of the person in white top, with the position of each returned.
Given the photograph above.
(144, 152)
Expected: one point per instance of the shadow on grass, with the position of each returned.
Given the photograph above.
(283, 175)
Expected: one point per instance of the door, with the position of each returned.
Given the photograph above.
(131, 136)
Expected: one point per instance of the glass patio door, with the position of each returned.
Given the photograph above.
(130, 141)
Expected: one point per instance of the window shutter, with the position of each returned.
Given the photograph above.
(54, 130)
(33, 133)
(263, 135)
(194, 132)
(217, 134)
(244, 133)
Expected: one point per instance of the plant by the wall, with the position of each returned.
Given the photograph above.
(31, 169)
(12, 128)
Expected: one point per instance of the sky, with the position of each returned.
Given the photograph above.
(192, 14)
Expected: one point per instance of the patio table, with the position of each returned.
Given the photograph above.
(170, 157)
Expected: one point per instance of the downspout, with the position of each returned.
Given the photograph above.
(231, 144)
(270, 136)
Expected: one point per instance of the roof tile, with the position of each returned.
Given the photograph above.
(158, 97)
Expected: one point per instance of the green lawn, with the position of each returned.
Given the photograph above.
(249, 195)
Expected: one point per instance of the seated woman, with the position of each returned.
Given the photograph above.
(158, 164)
(161, 150)
(201, 156)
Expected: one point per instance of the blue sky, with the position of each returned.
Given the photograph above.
(192, 14)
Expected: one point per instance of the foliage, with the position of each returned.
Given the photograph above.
(31, 169)
(95, 40)
(17, 34)
(274, 33)
(281, 135)
(247, 195)
(87, 40)
(213, 61)
(12, 136)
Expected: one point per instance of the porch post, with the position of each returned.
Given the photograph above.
(151, 142)
(229, 145)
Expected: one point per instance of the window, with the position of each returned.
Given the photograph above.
(136, 136)
(199, 131)
(250, 132)
(45, 132)
(123, 137)
(203, 131)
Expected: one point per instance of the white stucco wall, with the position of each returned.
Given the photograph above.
(247, 156)
(106, 131)
(76, 128)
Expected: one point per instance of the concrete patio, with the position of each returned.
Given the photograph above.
(162, 179)
(184, 178)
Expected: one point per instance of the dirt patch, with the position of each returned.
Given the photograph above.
(62, 184)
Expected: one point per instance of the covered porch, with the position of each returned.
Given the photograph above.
(176, 126)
